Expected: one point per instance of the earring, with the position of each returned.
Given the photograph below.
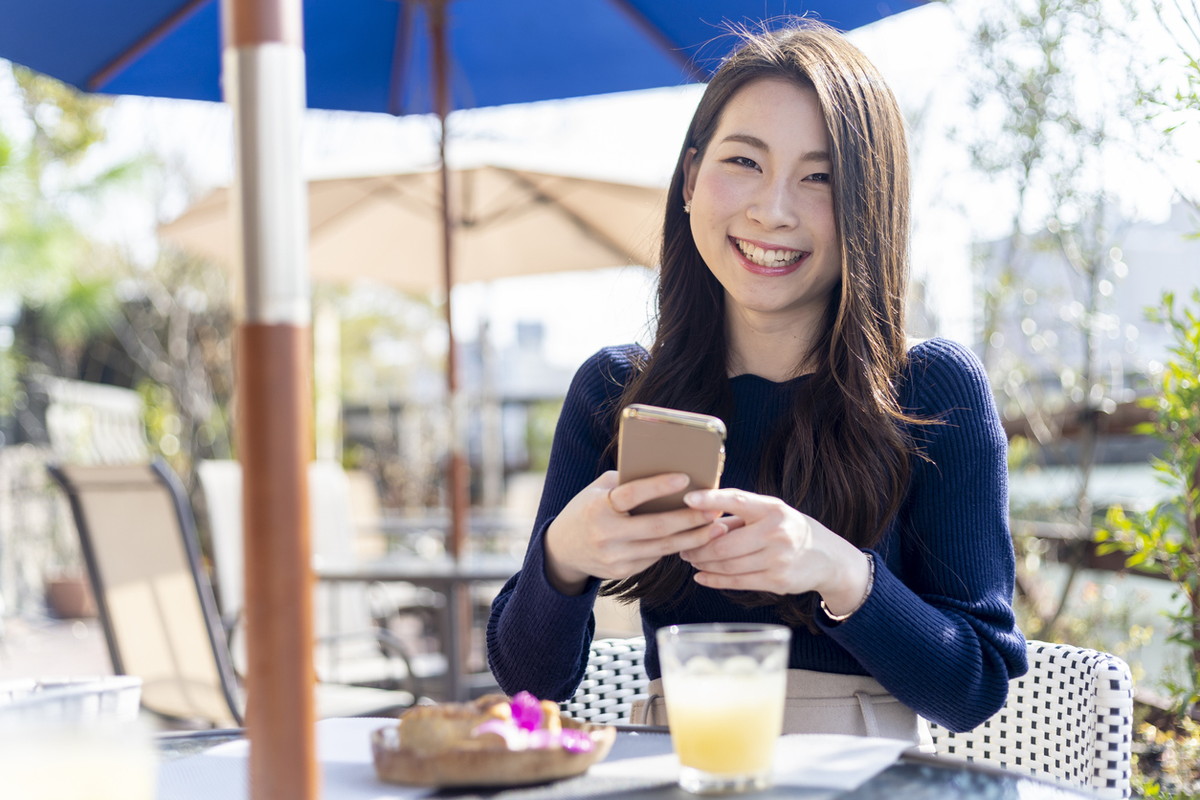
(687, 206)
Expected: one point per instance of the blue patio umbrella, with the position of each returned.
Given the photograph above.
(376, 55)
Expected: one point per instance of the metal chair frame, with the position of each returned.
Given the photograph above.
(188, 676)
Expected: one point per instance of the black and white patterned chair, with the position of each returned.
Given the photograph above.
(614, 679)
(1070, 717)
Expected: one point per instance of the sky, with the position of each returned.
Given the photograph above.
(632, 137)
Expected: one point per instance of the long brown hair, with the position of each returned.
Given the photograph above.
(849, 465)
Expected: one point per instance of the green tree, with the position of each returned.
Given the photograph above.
(62, 277)
(165, 327)
(1166, 539)
(1055, 97)
(41, 151)
(1178, 106)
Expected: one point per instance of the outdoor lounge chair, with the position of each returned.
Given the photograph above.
(156, 607)
(1069, 718)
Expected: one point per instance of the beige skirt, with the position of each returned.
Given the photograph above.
(823, 702)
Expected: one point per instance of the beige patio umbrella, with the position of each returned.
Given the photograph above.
(505, 222)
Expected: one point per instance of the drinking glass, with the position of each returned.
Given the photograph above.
(724, 685)
(56, 760)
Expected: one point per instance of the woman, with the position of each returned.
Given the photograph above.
(864, 499)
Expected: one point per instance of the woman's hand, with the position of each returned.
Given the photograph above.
(771, 547)
(595, 536)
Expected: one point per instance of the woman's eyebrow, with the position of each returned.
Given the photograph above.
(819, 156)
(747, 139)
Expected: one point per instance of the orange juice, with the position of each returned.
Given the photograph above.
(725, 724)
(725, 684)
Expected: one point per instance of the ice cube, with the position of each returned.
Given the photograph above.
(774, 661)
(740, 665)
(702, 665)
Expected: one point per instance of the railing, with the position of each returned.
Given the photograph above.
(86, 423)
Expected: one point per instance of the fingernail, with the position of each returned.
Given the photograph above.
(679, 480)
(691, 497)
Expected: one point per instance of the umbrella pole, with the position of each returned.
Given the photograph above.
(458, 642)
(457, 476)
(263, 62)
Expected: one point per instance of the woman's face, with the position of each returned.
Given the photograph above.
(762, 206)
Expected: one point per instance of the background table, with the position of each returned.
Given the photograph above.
(453, 580)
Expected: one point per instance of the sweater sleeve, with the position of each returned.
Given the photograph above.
(537, 637)
(944, 638)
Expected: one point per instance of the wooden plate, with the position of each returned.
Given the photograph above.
(483, 766)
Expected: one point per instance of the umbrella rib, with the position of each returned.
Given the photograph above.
(400, 48)
(391, 191)
(584, 226)
(670, 47)
(106, 73)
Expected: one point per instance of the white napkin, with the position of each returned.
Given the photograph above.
(833, 761)
(807, 761)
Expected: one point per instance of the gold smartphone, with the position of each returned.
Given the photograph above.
(653, 440)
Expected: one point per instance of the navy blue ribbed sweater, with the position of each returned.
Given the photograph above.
(937, 629)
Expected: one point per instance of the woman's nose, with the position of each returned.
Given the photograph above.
(775, 206)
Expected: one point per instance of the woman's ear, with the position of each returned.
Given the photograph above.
(691, 165)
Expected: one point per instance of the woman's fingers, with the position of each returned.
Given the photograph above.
(749, 581)
(745, 505)
(769, 546)
(754, 517)
(664, 525)
(630, 495)
(753, 561)
(656, 525)
(743, 542)
(595, 535)
(732, 523)
(621, 558)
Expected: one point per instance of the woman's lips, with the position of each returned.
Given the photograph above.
(767, 261)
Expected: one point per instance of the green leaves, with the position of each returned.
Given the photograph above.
(1166, 538)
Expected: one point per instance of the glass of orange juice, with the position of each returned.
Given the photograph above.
(724, 685)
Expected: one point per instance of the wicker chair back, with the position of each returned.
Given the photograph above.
(1069, 718)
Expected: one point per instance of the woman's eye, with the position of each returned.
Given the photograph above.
(818, 177)
(742, 161)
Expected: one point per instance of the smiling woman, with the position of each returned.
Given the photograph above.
(761, 210)
(864, 498)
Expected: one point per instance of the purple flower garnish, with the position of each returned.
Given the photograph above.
(524, 730)
(575, 741)
(526, 711)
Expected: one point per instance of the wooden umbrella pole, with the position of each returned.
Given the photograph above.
(263, 70)
(457, 476)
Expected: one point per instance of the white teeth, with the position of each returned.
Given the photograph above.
(768, 258)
